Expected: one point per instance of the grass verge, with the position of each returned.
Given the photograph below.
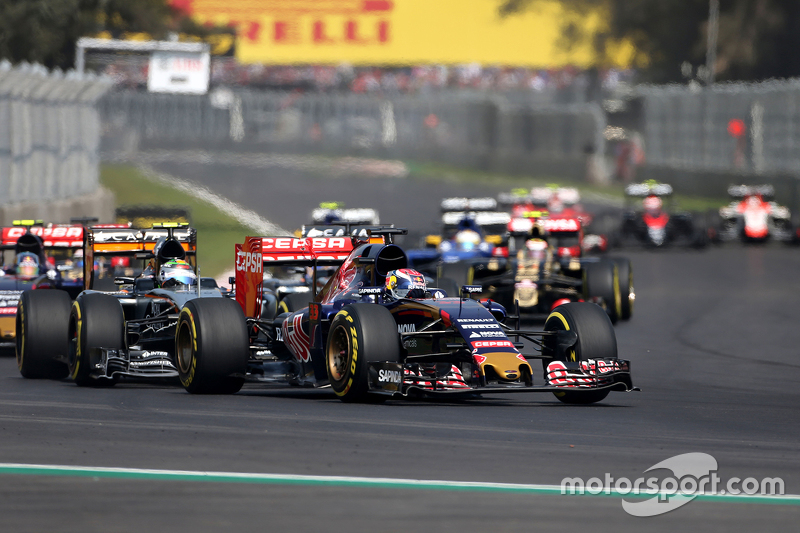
(217, 232)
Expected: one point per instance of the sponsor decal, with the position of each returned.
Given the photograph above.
(8, 310)
(562, 224)
(249, 261)
(406, 328)
(492, 344)
(296, 339)
(472, 288)
(390, 376)
(474, 334)
(465, 320)
(158, 362)
(370, 290)
(479, 326)
(310, 244)
(491, 334)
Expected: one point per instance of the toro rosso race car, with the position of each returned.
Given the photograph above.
(43, 258)
(655, 226)
(104, 335)
(753, 216)
(377, 331)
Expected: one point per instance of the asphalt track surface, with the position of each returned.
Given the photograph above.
(713, 344)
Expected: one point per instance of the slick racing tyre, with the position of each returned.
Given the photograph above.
(42, 321)
(359, 333)
(212, 346)
(294, 301)
(596, 340)
(602, 279)
(627, 294)
(95, 321)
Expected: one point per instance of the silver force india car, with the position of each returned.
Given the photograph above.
(376, 331)
(130, 331)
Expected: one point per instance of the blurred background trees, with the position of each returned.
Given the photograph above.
(45, 31)
(757, 38)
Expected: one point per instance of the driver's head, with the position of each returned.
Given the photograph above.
(405, 283)
(652, 204)
(27, 265)
(176, 272)
(467, 239)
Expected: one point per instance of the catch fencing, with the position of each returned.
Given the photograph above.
(49, 134)
(467, 130)
(749, 128)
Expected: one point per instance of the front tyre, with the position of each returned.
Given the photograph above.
(41, 337)
(596, 340)
(359, 333)
(95, 321)
(212, 346)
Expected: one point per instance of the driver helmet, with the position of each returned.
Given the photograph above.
(468, 239)
(652, 204)
(405, 283)
(27, 265)
(537, 249)
(176, 272)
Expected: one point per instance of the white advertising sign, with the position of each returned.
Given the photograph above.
(178, 72)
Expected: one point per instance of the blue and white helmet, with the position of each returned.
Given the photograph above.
(405, 283)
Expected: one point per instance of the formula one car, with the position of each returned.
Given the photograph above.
(654, 226)
(376, 331)
(753, 216)
(43, 258)
(128, 332)
(480, 214)
(554, 202)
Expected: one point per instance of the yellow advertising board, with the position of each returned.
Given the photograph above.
(395, 32)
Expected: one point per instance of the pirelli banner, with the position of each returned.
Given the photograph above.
(396, 32)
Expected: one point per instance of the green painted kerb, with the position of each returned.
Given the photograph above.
(343, 481)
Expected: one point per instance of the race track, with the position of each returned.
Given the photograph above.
(713, 344)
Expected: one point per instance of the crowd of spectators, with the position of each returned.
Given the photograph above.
(227, 72)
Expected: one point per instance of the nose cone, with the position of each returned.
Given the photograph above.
(507, 366)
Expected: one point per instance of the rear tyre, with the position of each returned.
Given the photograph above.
(95, 321)
(359, 334)
(212, 346)
(294, 301)
(42, 323)
(596, 340)
(627, 294)
(602, 280)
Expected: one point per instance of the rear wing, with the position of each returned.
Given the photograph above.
(561, 225)
(352, 215)
(61, 236)
(104, 241)
(741, 191)
(130, 241)
(468, 204)
(344, 229)
(648, 188)
(256, 253)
